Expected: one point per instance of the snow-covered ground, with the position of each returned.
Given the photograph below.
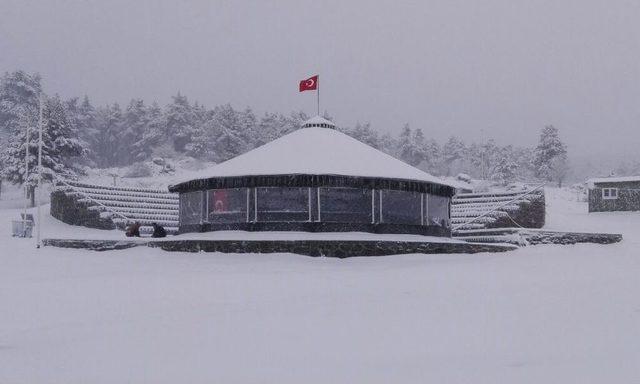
(562, 314)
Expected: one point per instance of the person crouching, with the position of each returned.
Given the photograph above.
(133, 230)
(158, 231)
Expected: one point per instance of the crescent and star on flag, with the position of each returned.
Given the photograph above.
(311, 84)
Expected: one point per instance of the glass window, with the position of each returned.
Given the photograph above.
(283, 204)
(400, 207)
(191, 208)
(610, 193)
(227, 205)
(437, 210)
(345, 205)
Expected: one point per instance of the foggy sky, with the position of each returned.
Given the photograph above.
(476, 69)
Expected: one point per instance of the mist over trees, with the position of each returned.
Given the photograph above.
(78, 133)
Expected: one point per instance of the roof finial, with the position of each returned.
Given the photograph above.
(318, 121)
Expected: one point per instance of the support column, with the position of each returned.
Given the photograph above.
(422, 209)
(255, 205)
(373, 206)
(309, 204)
(318, 195)
(248, 205)
(380, 206)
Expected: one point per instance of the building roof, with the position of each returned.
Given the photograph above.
(318, 151)
(617, 179)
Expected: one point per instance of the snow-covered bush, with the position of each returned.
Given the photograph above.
(464, 177)
(138, 170)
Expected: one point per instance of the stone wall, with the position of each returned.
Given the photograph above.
(68, 209)
(337, 248)
(530, 214)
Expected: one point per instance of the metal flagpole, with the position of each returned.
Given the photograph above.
(26, 175)
(318, 93)
(39, 174)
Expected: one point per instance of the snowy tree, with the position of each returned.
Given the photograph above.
(505, 168)
(419, 149)
(135, 121)
(296, 119)
(432, 156)
(523, 157)
(19, 92)
(60, 148)
(107, 143)
(180, 122)
(365, 134)
(81, 118)
(388, 144)
(453, 151)
(406, 149)
(484, 158)
(224, 135)
(270, 127)
(274, 125)
(550, 160)
(85, 118)
(228, 139)
(248, 124)
(153, 135)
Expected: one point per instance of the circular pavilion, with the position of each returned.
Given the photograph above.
(315, 179)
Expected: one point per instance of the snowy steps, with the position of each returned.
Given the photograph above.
(480, 210)
(124, 205)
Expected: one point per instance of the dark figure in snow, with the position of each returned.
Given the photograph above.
(158, 231)
(133, 230)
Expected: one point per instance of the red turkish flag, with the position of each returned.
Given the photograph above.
(220, 201)
(309, 84)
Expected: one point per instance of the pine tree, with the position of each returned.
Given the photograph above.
(226, 136)
(248, 125)
(453, 151)
(135, 125)
(550, 162)
(87, 130)
(270, 127)
(388, 144)
(419, 149)
(153, 135)
(180, 122)
(107, 141)
(433, 156)
(60, 147)
(364, 133)
(505, 168)
(19, 92)
(484, 158)
(406, 149)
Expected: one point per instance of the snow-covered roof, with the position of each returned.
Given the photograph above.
(318, 121)
(318, 151)
(617, 179)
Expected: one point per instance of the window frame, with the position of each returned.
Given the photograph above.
(244, 213)
(609, 193)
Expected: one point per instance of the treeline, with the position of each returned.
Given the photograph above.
(81, 134)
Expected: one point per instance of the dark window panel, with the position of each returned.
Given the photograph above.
(345, 205)
(283, 204)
